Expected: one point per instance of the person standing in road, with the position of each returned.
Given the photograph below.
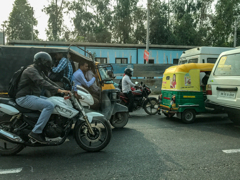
(126, 87)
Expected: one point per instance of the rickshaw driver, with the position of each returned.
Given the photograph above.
(79, 79)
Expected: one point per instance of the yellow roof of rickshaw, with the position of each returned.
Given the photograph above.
(187, 67)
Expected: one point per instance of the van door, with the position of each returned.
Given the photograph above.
(225, 81)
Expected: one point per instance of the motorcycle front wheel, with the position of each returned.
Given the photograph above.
(151, 107)
(98, 141)
(7, 148)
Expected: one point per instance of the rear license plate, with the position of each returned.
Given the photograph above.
(225, 94)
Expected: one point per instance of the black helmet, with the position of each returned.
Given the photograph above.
(128, 71)
(43, 60)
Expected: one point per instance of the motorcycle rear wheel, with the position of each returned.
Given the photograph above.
(90, 143)
(7, 148)
(119, 120)
(150, 108)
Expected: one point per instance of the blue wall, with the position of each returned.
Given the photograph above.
(134, 55)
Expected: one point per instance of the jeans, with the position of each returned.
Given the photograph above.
(130, 97)
(37, 103)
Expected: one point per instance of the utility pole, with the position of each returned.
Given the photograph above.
(147, 43)
(32, 23)
(3, 34)
(235, 33)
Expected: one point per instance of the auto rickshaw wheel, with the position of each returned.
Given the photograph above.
(119, 120)
(169, 115)
(188, 116)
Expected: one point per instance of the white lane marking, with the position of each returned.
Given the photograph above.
(10, 171)
(231, 151)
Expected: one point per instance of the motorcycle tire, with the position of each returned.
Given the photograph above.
(97, 142)
(146, 105)
(8, 148)
(119, 120)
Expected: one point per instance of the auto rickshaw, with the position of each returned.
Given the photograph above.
(109, 100)
(184, 91)
(13, 58)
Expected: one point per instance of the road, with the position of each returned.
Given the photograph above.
(149, 147)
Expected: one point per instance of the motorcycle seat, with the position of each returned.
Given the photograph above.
(11, 102)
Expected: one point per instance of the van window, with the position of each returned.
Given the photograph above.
(228, 66)
(211, 60)
(183, 62)
(195, 60)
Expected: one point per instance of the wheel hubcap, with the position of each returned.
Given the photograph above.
(189, 116)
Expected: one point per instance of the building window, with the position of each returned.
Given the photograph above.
(101, 60)
(150, 61)
(175, 61)
(121, 60)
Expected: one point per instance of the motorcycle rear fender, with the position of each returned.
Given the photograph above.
(8, 109)
(119, 108)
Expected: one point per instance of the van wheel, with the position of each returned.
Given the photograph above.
(188, 116)
(234, 118)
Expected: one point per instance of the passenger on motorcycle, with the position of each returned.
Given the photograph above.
(29, 90)
(126, 87)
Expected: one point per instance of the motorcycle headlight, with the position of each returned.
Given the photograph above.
(114, 96)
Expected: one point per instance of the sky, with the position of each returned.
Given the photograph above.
(7, 5)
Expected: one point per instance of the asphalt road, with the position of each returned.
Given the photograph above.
(149, 147)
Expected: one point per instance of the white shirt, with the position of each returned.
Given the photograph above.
(126, 84)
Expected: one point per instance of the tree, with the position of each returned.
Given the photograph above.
(55, 21)
(21, 20)
(223, 22)
(123, 24)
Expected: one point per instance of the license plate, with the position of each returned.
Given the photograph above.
(225, 94)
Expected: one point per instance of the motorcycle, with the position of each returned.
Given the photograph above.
(141, 100)
(92, 131)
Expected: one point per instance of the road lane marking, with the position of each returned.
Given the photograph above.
(232, 151)
(10, 171)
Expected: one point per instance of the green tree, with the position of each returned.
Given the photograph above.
(19, 25)
(123, 24)
(55, 21)
(223, 22)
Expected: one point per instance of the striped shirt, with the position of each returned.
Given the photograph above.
(63, 63)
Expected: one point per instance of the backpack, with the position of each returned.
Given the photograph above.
(13, 84)
(120, 84)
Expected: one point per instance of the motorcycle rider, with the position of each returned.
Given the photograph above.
(29, 90)
(126, 87)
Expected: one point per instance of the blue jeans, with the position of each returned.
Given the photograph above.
(37, 103)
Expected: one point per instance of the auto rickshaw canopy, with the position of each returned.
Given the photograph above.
(185, 77)
(203, 67)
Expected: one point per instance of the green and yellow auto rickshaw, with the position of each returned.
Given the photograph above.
(184, 91)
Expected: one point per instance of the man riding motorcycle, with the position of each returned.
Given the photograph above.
(126, 87)
(29, 92)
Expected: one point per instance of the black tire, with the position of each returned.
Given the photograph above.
(169, 115)
(234, 118)
(119, 120)
(152, 105)
(7, 148)
(89, 143)
(188, 116)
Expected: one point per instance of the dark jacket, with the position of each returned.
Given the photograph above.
(32, 82)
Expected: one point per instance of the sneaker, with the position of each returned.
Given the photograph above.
(37, 137)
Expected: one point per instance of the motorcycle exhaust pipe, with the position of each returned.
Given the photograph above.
(10, 137)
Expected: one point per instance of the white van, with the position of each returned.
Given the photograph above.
(223, 88)
(202, 55)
